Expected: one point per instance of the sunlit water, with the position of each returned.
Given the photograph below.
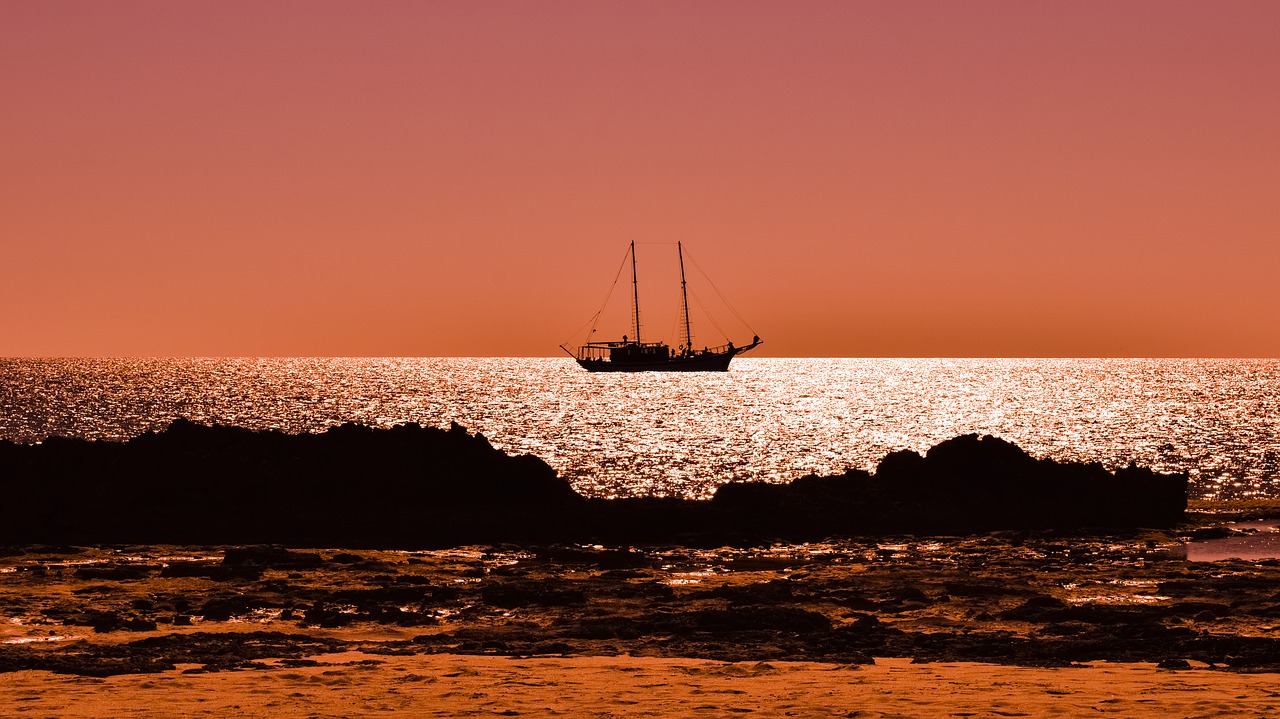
(685, 434)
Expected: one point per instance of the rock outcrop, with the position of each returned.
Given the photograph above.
(422, 486)
(349, 486)
(966, 484)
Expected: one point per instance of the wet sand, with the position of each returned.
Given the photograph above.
(1000, 624)
(357, 684)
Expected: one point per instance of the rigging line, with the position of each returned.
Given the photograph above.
(675, 331)
(721, 294)
(591, 322)
(612, 287)
(710, 319)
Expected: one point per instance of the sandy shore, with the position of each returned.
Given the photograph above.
(357, 684)
(1002, 624)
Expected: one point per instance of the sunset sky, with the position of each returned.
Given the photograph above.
(462, 178)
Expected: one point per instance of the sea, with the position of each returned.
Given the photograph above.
(684, 434)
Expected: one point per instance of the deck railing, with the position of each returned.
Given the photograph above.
(599, 351)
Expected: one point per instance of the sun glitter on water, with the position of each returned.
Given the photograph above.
(684, 435)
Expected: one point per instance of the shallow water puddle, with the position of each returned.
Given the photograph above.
(1262, 541)
(43, 640)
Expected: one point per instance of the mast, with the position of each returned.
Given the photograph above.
(684, 301)
(635, 291)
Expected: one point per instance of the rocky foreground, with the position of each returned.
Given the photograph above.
(1031, 599)
(168, 554)
(413, 486)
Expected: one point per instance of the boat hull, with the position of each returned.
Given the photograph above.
(697, 363)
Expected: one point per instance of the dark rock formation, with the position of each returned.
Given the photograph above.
(962, 485)
(348, 486)
(418, 486)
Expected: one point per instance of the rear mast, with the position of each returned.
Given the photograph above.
(635, 291)
(684, 301)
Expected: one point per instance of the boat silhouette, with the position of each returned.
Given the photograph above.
(631, 354)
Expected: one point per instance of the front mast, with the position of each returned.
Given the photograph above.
(635, 291)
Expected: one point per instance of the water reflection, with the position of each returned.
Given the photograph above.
(685, 434)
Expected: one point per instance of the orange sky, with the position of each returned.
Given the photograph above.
(429, 178)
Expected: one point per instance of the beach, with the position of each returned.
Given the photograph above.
(356, 684)
(998, 624)
(463, 581)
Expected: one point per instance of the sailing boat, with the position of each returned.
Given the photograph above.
(633, 355)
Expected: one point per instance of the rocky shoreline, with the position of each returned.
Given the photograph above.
(431, 542)
(413, 486)
(1022, 598)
